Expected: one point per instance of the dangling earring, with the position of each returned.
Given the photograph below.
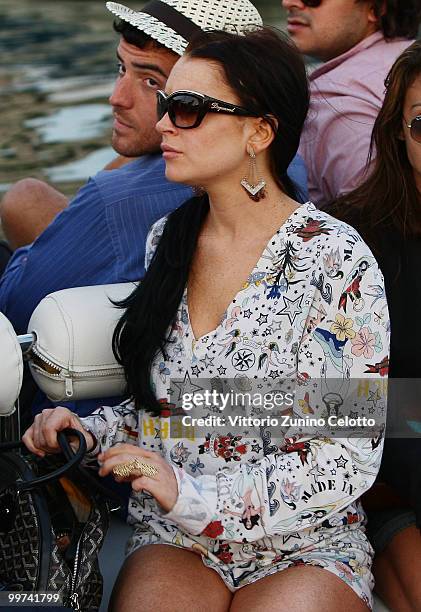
(253, 185)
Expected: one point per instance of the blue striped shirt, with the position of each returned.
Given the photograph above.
(98, 239)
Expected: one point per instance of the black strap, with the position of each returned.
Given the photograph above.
(73, 460)
(172, 18)
(95, 483)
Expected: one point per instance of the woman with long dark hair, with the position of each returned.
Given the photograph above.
(386, 210)
(252, 297)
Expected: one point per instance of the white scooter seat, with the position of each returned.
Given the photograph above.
(72, 355)
(11, 367)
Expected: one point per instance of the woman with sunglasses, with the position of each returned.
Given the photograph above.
(246, 292)
(386, 210)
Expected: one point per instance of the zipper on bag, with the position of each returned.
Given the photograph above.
(74, 597)
(67, 376)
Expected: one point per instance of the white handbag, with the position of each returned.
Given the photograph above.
(11, 367)
(72, 356)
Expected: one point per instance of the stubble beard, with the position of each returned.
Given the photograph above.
(133, 147)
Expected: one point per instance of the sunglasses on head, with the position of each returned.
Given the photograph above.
(187, 109)
(415, 128)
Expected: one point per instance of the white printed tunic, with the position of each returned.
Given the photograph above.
(312, 310)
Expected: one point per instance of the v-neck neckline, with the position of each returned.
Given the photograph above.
(213, 332)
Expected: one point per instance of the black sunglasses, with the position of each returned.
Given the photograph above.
(187, 109)
(312, 3)
(415, 128)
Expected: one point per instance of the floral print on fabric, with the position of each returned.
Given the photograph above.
(313, 309)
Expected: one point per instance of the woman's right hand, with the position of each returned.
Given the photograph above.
(41, 437)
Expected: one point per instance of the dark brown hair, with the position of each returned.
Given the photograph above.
(389, 197)
(398, 18)
(267, 73)
(277, 89)
(136, 37)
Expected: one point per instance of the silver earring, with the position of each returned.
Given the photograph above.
(253, 185)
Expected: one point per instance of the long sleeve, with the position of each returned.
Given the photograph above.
(310, 476)
(111, 425)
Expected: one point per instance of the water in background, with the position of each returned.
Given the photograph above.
(57, 71)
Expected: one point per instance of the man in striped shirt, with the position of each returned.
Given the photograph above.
(99, 237)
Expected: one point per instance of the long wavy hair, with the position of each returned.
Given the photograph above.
(268, 75)
(388, 198)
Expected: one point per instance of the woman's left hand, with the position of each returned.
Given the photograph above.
(163, 486)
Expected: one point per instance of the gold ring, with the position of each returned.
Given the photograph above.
(135, 468)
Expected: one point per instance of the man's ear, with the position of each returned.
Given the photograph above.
(374, 15)
(264, 133)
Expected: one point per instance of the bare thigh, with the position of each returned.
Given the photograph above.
(397, 571)
(299, 589)
(168, 579)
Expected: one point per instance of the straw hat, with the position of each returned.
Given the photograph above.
(173, 23)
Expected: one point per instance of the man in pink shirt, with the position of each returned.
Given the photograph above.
(358, 41)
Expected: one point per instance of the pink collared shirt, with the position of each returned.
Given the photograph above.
(346, 95)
